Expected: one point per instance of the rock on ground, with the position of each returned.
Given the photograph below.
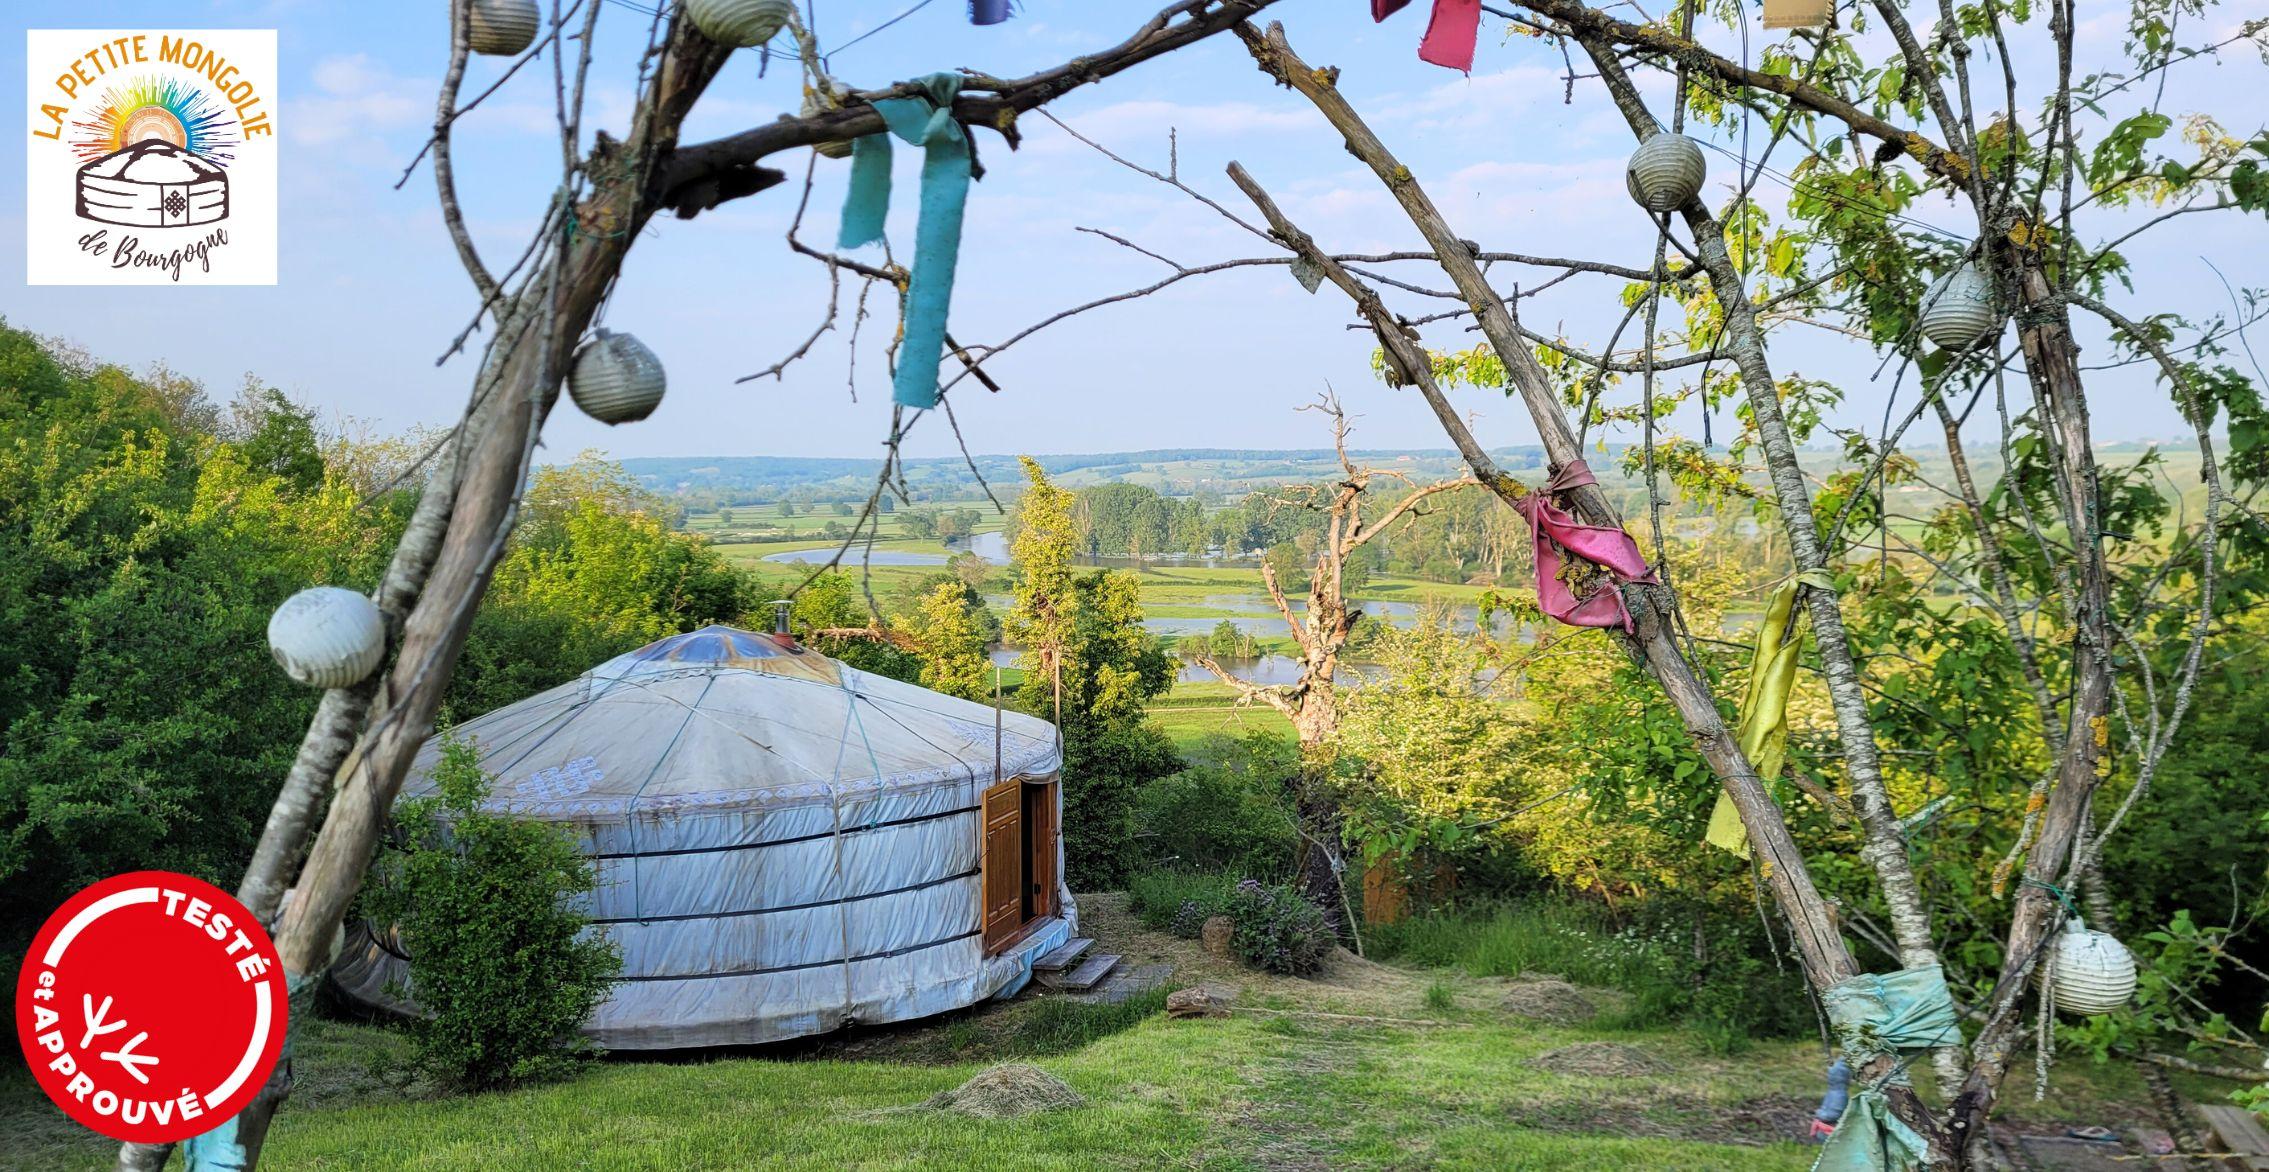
(1217, 935)
(1008, 1091)
(1207, 1000)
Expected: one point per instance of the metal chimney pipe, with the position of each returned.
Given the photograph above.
(780, 609)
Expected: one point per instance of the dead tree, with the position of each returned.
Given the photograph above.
(1320, 634)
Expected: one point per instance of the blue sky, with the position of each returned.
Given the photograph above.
(370, 292)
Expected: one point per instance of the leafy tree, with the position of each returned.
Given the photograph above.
(591, 573)
(142, 723)
(833, 602)
(281, 441)
(953, 642)
(1290, 565)
(1089, 665)
(973, 571)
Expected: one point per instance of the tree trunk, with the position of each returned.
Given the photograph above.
(1885, 842)
(1322, 866)
(2051, 363)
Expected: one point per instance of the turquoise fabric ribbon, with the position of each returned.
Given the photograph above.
(926, 122)
(1871, 1139)
(1903, 1012)
(219, 1150)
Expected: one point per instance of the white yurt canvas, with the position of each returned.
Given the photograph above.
(784, 844)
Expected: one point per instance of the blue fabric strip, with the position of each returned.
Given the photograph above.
(926, 122)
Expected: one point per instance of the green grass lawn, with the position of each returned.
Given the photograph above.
(1366, 1066)
(1190, 727)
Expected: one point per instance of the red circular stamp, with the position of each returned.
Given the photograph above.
(151, 1007)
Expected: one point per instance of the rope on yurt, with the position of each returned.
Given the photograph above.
(630, 807)
(835, 808)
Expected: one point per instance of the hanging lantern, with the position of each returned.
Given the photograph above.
(501, 28)
(2090, 973)
(819, 99)
(1665, 172)
(1798, 13)
(743, 24)
(327, 637)
(1957, 312)
(615, 378)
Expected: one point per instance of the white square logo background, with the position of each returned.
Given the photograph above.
(180, 218)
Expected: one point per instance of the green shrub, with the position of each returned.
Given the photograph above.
(1225, 815)
(502, 963)
(1727, 989)
(1278, 929)
(1189, 923)
(1105, 767)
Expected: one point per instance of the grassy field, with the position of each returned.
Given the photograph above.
(1195, 712)
(1168, 590)
(811, 518)
(1365, 1066)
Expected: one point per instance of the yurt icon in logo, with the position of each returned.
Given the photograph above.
(158, 150)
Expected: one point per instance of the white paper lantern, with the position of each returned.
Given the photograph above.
(615, 378)
(814, 103)
(743, 24)
(1665, 172)
(1957, 312)
(2090, 973)
(501, 28)
(327, 637)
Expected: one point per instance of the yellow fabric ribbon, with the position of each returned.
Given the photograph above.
(1764, 711)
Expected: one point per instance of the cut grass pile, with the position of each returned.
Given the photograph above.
(1009, 1091)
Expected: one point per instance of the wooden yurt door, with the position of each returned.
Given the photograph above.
(1039, 850)
(1003, 864)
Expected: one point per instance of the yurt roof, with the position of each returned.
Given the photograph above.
(722, 718)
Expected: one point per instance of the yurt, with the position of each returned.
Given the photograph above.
(784, 844)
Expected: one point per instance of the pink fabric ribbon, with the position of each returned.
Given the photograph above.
(1450, 32)
(1611, 549)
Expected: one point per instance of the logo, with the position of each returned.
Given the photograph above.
(151, 1007)
(151, 157)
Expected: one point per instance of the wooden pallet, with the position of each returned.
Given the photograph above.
(2241, 1132)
